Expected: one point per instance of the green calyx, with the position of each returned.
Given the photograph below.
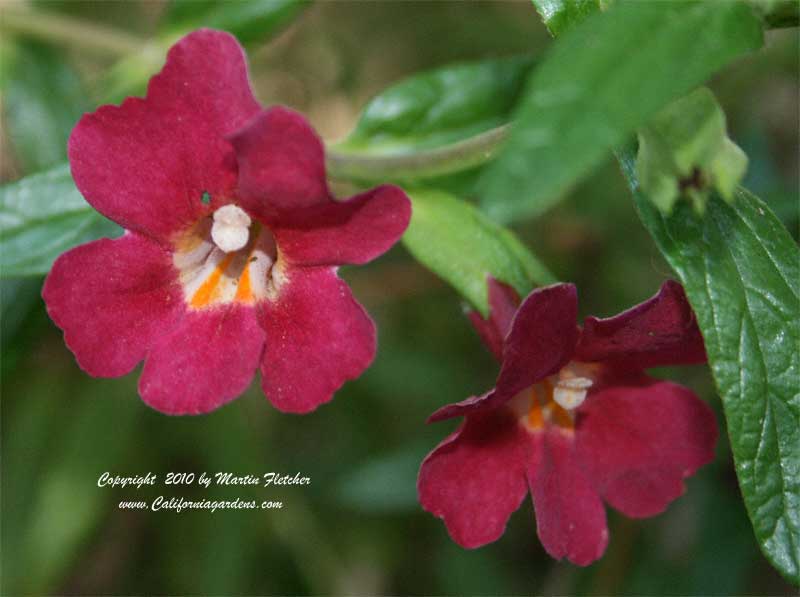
(685, 152)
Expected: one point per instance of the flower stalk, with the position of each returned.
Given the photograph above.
(428, 163)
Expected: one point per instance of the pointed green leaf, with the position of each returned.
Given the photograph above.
(439, 107)
(741, 271)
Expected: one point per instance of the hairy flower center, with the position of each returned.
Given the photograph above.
(227, 258)
(552, 401)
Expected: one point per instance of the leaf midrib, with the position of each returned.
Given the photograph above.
(770, 396)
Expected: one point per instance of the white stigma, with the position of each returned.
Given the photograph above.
(231, 228)
(570, 392)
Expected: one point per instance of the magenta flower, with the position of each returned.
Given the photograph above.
(573, 419)
(231, 245)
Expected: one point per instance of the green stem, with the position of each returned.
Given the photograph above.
(56, 28)
(346, 165)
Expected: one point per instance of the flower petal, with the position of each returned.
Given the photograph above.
(637, 444)
(318, 337)
(542, 337)
(503, 304)
(281, 164)
(112, 298)
(147, 163)
(354, 231)
(475, 479)
(570, 517)
(660, 331)
(208, 359)
(482, 402)
(541, 341)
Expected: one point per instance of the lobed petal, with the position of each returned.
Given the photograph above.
(542, 337)
(281, 164)
(570, 517)
(147, 163)
(207, 360)
(503, 304)
(541, 341)
(475, 479)
(660, 331)
(637, 444)
(318, 337)
(112, 298)
(338, 232)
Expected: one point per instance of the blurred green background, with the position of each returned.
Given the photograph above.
(357, 529)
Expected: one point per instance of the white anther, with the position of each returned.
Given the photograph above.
(570, 392)
(231, 228)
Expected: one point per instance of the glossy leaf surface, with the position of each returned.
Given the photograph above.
(41, 216)
(439, 107)
(741, 272)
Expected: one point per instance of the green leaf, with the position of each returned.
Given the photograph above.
(559, 15)
(685, 150)
(602, 80)
(251, 21)
(741, 271)
(42, 216)
(439, 107)
(44, 98)
(460, 244)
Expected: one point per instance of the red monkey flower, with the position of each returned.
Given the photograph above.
(231, 245)
(574, 420)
